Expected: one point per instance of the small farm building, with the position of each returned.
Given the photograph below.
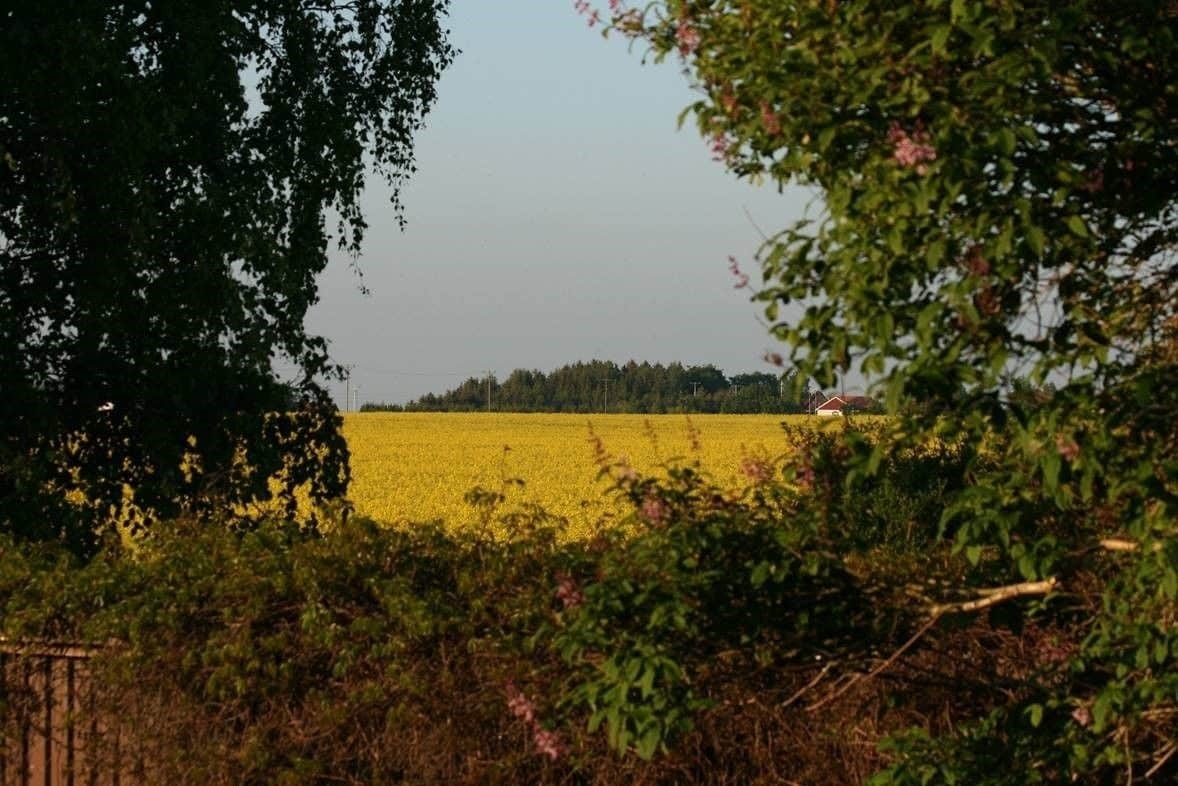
(832, 407)
(835, 405)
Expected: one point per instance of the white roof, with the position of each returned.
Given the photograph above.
(825, 405)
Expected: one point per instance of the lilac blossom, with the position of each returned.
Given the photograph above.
(911, 151)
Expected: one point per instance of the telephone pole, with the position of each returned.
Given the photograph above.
(694, 389)
(488, 390)
(348, 386)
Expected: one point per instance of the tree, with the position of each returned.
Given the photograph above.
(999, 184)
(166, 175)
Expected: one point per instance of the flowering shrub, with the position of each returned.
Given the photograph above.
(819, 605)
(369, 655)
(999, 185)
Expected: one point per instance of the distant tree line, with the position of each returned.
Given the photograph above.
(603, 386)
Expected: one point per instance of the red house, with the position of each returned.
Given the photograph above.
(834, 406)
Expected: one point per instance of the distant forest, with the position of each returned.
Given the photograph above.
(602, 386)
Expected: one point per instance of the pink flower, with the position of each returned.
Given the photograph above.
(769, 121)
(742, 280)
(805, 476)
(1067, 447)
(625, 472)
(654, 510)
(976, 264)
(756, 470)
(520, 705)
(729, 101)
(548, 743)
(719, 146)
(687, 37)
(567, 591)
(911, 150)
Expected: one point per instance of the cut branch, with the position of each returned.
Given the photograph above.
(1119, 544)
(989, 596)
(992, 596)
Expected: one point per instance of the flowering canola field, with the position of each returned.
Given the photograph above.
(409, 467)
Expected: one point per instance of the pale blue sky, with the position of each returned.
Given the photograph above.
(557, 215)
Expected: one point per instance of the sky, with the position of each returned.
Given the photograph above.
(557, 214)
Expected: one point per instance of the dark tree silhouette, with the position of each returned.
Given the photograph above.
(166, 169)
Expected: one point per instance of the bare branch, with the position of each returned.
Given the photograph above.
(995, 595)
(1119, 544)
(891, 659)
(1164, 756)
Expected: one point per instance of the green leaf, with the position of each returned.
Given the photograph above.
(1036, 240)
(1006, 141)
(935, 253)
(1102, 709)
(1050, 466)
(646, 681)
(1077, 226)
(648, 743)
(895, 241)
(939, 37)
(1035, 714)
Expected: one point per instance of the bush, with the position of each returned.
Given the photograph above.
(779, 632)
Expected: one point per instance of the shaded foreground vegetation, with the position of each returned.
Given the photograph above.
(775, 635)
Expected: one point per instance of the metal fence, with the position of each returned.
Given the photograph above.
(50, 728)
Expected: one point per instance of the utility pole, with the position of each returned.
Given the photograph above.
(348, 386)
(694, 389)
(488, 390)
(356, 399)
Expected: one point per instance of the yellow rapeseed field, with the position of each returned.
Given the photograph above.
(411, 467)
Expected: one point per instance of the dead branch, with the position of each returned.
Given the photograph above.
(1120, 544)
(992, 596)
(805, 688)
(1163, 756)
(988, 596)
(859, 678)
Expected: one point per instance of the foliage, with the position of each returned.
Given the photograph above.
(296, 658)
(741, 634)
(704, 577)
(166, 173)
(602, 386)
(370, 654)
(998, 198)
